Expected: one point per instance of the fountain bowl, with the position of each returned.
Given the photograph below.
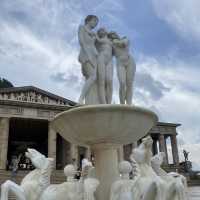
(95, 124)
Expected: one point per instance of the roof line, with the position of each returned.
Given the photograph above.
(25, 88)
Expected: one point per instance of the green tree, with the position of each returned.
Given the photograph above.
(5, 83)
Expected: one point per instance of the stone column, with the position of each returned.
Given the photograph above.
(134, 145)
(88, 153)
(174, 149)
(120, 153)
(154, 147)
(4, 134)
(166, 153)
(162, 147)
(52, 140)
(74, 152)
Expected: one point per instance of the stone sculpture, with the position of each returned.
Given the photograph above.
(177, 183)
(73, 189)
(88, 59)
(70, 190)
(186, 153)
(96, 59)
(153, 183)
(126, 67)
(33, 184)
(122, 189)
(105, 67)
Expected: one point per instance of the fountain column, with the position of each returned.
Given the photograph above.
(106, 165)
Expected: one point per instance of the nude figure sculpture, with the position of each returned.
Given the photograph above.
(126, 67)
(88, 55)
(104, 67)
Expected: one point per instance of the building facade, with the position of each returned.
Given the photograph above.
(25, 122)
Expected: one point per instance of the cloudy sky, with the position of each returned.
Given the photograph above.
(39, 46)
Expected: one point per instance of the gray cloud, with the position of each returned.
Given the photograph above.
(66, 79)
(155, 88)
(38, 46)
(182, 15)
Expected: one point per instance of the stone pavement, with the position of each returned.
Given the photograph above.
(194, 193)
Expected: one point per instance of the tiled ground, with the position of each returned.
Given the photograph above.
(194, 193)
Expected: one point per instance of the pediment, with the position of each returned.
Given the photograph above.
(33, 95)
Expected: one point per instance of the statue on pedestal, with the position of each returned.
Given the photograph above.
(96, 57)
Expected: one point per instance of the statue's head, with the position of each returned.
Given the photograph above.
(102, 32)
(70, 172)
(92, 20)
(125, 168)
(113, 35)
(38, 159)
(158, 159)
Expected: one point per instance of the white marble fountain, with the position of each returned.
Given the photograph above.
(104, 127)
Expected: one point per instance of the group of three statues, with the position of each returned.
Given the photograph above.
(96, 58)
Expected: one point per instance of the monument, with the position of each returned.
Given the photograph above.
(105, 128)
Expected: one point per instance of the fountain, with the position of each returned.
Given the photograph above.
(104, 127)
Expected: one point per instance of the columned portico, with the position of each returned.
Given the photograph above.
(160, 133)
(4, 134)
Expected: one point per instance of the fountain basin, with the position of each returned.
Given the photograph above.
(95, 124)
(104, 128)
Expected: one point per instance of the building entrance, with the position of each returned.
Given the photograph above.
(23, 134)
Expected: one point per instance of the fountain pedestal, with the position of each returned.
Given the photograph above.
(106, 164)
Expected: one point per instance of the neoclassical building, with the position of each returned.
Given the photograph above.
(25, 122)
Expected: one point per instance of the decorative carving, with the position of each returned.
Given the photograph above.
(123, 188)
(73, 189)
(153, 182)
(30, 96)
(35, 182)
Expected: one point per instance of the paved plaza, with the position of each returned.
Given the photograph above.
(194, 193)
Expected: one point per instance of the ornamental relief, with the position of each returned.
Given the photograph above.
(31, 96)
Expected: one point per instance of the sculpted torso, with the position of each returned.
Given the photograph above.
(88, 50)
(32, 180)
(104, 47)
(121, 50)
